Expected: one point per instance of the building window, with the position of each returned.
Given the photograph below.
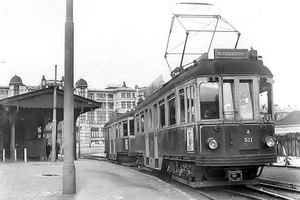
(123, 104)
(90, 116)
(82, 117)
(90, 96)
(100, 96)
(110, 96)
(95, 132)
(110, 105)
(82, 92)
(133, 95)
(128, 95)
(128, 104)
(101, 117)
(16, 90)
(123, 95)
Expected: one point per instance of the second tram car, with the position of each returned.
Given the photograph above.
(212, 124)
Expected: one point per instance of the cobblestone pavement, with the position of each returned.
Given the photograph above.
(94, 180)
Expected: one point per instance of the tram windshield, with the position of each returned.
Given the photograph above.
(265, 101)
(209, 100)
(238, 99)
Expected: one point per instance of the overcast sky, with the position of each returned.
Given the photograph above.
(118, 41)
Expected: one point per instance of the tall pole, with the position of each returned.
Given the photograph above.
(69, 171)
(54, 127)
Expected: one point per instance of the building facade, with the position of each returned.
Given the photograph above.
(115, 99)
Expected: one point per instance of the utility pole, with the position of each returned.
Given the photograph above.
(69, 171)
(54, 124)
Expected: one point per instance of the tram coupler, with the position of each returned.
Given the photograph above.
(235, 176)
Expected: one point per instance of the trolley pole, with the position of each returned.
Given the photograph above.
(69, 171)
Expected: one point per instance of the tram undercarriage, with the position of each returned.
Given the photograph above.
(196, 176)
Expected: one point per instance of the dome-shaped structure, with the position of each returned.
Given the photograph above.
(81, 83)
(15, 80)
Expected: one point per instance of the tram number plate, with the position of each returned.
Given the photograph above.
(248, 139)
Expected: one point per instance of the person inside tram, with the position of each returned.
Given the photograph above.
(211, 112)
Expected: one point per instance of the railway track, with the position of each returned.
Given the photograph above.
(266, 189)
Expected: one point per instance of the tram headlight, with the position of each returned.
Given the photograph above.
(212, 143)
(270, 141)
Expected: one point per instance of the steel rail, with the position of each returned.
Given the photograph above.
(243, 194)
(282, 185)
(269, 193)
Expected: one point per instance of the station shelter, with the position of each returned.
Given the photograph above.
(23, 121)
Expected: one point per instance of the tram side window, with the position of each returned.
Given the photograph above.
(265, 101)
(172, 109)
(245, 99)
(155, 116)
(209, 100)
(142, 122)
(137, 119)
(190, 103)
(228, 103)
(162, 113)
(116, 130)
(125, 128)
(150, 119)
(182, 106)
(131, 127)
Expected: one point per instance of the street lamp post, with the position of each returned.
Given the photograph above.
(54, 124)
(69, 171)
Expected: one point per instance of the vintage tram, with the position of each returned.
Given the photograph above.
(211, 124)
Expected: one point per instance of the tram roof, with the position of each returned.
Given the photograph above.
(213, 67)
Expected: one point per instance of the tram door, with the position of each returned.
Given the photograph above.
(112, 144)
(151, 140)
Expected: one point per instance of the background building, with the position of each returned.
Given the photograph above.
(115, 99)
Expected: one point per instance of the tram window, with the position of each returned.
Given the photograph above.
(265, 98)
(172, 109)
(228, 103)
(142, 122)
(120, 129)
(131, 127)
(190, 103)
(155, 116)
(150, 119)
(209, 100)
(245, 99)
(162, 113)
(182, 106)
(137, 119)
(125, 128)
(116, 130)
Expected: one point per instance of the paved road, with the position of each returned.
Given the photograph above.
(95, 180)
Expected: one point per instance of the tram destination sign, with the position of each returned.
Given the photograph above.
(231, 53)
